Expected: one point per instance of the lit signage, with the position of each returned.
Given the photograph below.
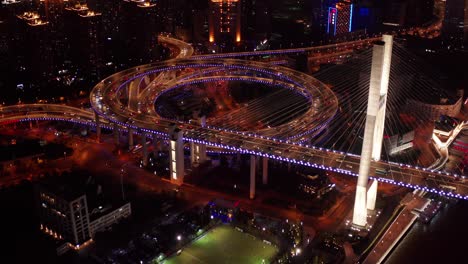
(332, 15)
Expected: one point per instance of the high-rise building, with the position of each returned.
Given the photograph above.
(340, 18)
(419, 12)
(189, 20)
(225, 20)
(367, 16)
(455, 24)
(256, 19)
(315, 10)
(73, 210)
(64, 213)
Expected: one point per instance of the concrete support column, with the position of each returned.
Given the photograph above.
(30, 124)
(116, 133)
(252, 176)
(98, 127)
(258, 159)
(372, 195)
(198, 151)
(176, 154)
(130, 138)
(156, 148)
(376, 101)
(193, 155)
(265, 170)
(144, 147)
(202, 153)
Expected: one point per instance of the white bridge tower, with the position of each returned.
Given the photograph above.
(374, 129)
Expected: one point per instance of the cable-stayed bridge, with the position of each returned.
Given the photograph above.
(126, 100)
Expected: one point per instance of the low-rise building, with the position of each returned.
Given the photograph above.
(223, 209)
(399, 143)
(106, 217)
(432, 110)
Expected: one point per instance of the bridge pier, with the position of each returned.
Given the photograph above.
(116, 134)
(198, 151)
(373, 132)
(252, 176)
(98, 127)
(156, 149)
(144, 148)
(176, 155)
(265, 171)
(30, 124)
(193, 158)
(130, 138)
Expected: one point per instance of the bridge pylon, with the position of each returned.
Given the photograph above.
(374, 128)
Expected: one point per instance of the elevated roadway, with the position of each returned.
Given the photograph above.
(315, 50)
(106, 102)
(29, 112)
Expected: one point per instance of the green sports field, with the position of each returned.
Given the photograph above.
(224, 245)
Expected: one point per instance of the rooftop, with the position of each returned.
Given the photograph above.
(89, 13)
(71, 186)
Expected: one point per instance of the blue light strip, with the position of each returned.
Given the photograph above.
(328, 22)
(351, 17)
(336, 20)
(299, 162)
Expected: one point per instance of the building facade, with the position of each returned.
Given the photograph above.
(74, 213)
(63, 218)
(224, 20)
(434, 111)
(340, 18)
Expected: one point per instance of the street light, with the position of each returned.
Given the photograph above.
(122, 171)
(298, 251)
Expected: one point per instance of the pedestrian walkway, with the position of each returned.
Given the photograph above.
(397, 228)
